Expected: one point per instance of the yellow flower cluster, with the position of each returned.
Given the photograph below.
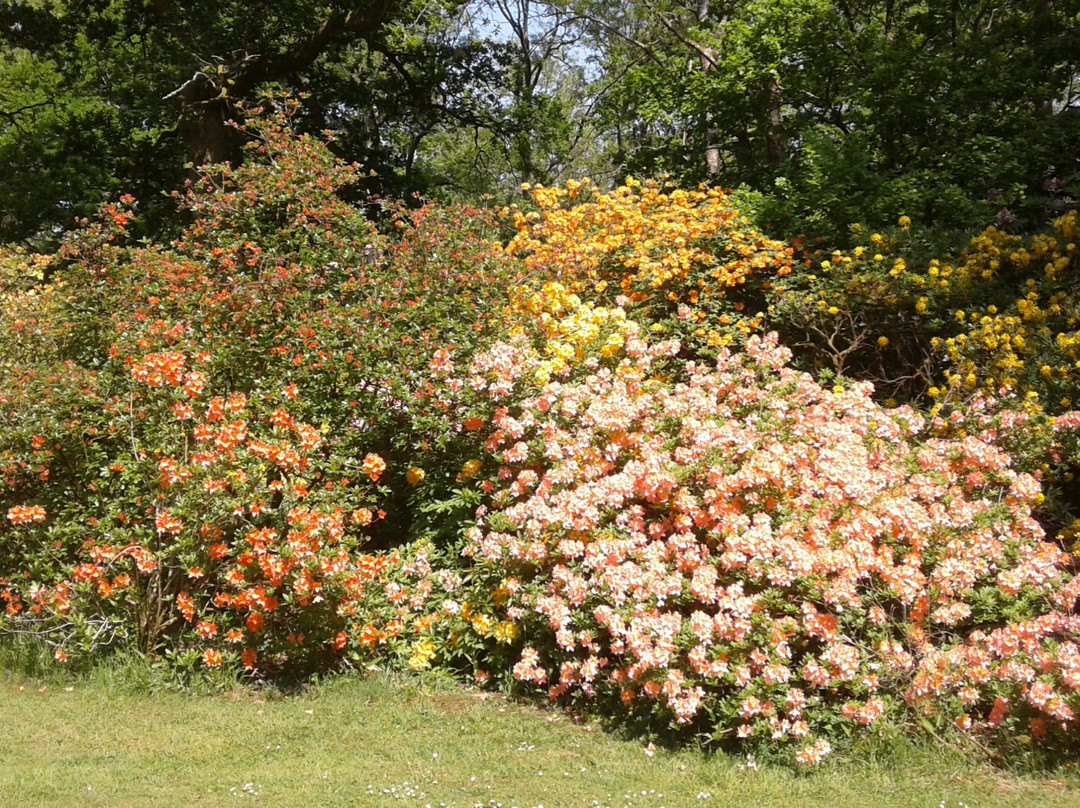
(1003, 314)
(641, 230)
(570, 327)
(423, 652)
(26, 303)
(669, 254)
(1033, 346)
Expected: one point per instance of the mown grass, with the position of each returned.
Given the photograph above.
(107, 739)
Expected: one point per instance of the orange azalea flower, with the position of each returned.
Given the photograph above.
(369, 635)
(144, 561)
(186, 605)
(998, 712)
(248, 657)
(211, 657)
(373, 466)
(235, 577)
(166, 523)
(215, 410)
(160, 369)
(194, 381)
(21, 515)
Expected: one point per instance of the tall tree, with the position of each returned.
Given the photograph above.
(946, 111)
(134, 88)
(549, 100)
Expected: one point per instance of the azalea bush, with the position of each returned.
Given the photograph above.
(205, 440)
(995, 321)
(685, 262)
(998, 316)
(749, 555)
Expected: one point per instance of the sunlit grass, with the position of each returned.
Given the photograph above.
(108, 739)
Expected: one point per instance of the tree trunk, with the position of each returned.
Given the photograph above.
(210, 98)
(712, 134)
(775, 142)
(207, 135)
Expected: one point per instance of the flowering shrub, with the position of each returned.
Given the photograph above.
(998, 316)
(1030, 345)
(752, 555)
(995, 324)
(263, 446)
(683, 261)
(214, 427)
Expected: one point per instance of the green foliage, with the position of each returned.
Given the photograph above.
(846, 112)
(64, 148)
(114, 97)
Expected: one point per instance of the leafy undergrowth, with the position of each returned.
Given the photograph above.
(110, 737)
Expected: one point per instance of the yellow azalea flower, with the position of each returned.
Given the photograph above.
(470, 469)
(422, 654)
(415, 475)
(483, 624)
(506, 632)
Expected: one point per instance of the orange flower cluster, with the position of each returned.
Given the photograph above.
(373, 466)
(160, 369)
(25, 514)
(283, 587)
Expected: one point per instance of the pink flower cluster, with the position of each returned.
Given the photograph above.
(743, 549)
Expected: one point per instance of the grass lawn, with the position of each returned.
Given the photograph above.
(377, 742)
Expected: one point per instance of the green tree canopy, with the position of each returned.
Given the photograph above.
(103, 95)
(854, 109)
